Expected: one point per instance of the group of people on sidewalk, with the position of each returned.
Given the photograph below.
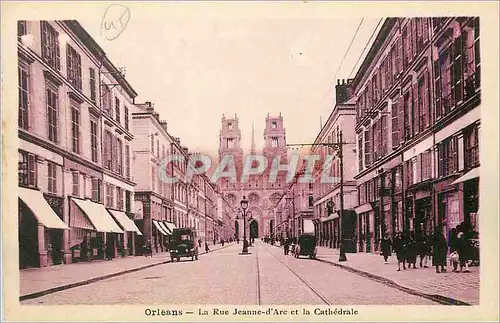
(410, 247)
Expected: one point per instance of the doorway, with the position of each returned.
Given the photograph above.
(254, 230)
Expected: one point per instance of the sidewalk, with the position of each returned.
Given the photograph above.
(449, 286)
(36, 282)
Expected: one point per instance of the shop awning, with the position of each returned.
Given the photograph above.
(330, 217)
(363, 208)
(125, 221)
(41, 209)
(170, 226)
(164, 227)
(473, 173)
(159, 228)
(98, 215)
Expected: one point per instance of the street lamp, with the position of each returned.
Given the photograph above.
(244, 206)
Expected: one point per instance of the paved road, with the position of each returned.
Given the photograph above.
(265, 277)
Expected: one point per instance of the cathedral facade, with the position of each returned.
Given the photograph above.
(261, 191)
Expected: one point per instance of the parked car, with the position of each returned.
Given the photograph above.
(306, 246)
(183, 244)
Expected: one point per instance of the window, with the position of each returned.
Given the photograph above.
(163, 151)
(126, 118)
(76, 183)
(21, 28)
(107, 152)
(50, 45)
(119, 198)
(407, 106)
(106, 99)
(376, 139)
(96, 189)
(409, 172)
(446, 63)
(369, 102)
(384, 135)
(93, 140)
(471, 147)
(92, 83)
(230, 143)
(457, 85)
(119, 156)
(52, 177)
(360, 152)
(27, 169)
(471, 59)
(109, 196)
(274, 125)
(230, 125)
(115, 157)
(117, 109)
(52, 114)
(423, 102)
(274, 142)
(127, 161)
(447, 157)
(367, 148)
(398, 184)
(426, 165)
(75, 130)
(375, 89)
(157, 148)
(23, 87)
(152, 144)
(74, 67)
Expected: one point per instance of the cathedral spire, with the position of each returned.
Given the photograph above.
(252, 148)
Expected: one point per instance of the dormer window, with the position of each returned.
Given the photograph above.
(274, 125)
(230, 125)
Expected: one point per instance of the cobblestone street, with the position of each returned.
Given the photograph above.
(264, 277)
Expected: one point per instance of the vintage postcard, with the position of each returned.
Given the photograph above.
(250, 161)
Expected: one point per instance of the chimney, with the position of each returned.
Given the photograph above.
(163, 124)
(341, 91)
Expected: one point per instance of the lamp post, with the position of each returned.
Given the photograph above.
(338, 146)
(244, 206)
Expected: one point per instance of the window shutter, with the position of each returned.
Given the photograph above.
(69, 65)
(425, 29)
(426, 101)
(401, 119)
(385, 135)
(395, 124)
(457, 68)
(58, 53)
(415, 109)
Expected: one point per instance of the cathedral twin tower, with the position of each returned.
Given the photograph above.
(261, 194)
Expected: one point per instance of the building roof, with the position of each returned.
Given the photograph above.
(94, 47)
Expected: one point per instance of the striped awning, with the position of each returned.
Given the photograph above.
(159, 228)
(125, 222)
(98, 215)
(41, 209)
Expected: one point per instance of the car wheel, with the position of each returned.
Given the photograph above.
(172, 259)
(178, 259)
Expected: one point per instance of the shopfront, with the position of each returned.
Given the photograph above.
(40, 230)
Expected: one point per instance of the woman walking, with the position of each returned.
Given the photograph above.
(385, 246)
(439, 251)
(400, 249)
(463, 252)
(423, 250)
(411, 250)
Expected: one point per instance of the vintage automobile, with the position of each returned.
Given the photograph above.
(183, 244)
(306, 246)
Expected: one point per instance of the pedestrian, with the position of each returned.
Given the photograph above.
(222, 242)
(84, 252)
(423, 249)
(400, 249)
(109, 249)
(207, 250)
(411, 252)
(148, 249)
(463, 251)
(385, 246)
(286, 247)
(199, 243)
(439, 248)
(454, 248)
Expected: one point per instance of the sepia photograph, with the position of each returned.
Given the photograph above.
(249, 167)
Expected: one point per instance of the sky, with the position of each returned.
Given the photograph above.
(195, 70)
